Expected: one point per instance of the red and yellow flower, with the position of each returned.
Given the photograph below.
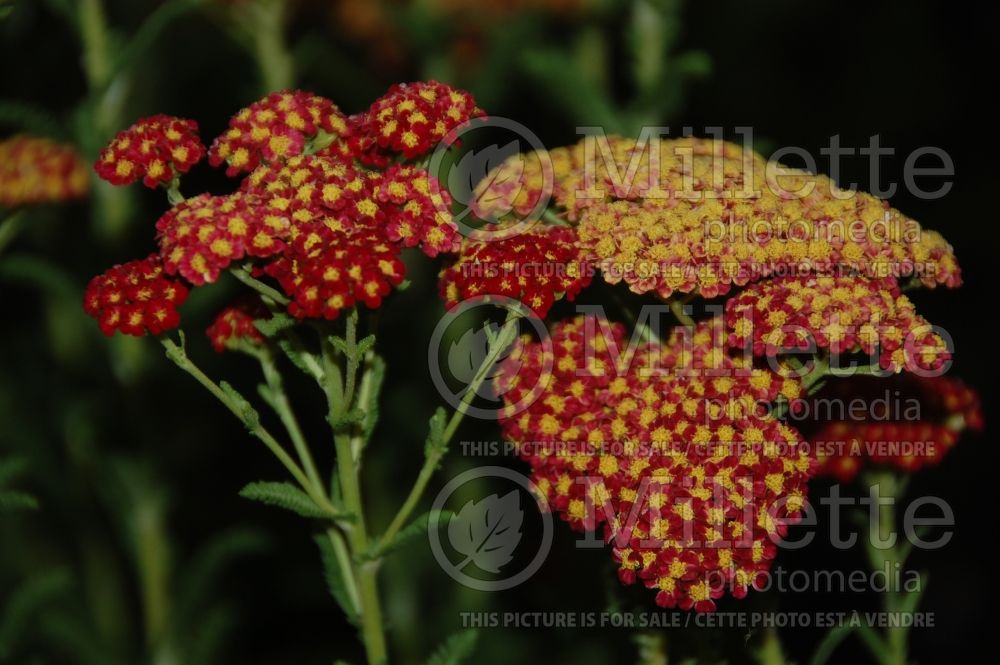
(135, 298)
(156, 149)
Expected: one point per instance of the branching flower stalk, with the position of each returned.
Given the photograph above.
(327, 204)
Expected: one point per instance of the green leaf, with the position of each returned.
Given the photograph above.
(27, 600)
(287, 496)
(295, 355)
(586, 103)
(247, 413)
(11, 500)
(364, 345)
(830, 643)
(352, 417)
(435, 444)
(335, 574)
(274, 326)
(413, 531)
(456, 649)
(377, 378)
(340, 344)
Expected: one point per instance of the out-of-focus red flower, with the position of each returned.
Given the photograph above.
(38, 170)
(234, 325)
(910, 422)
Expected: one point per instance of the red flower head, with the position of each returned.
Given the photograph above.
(536, 268)
(331, 265)
(913, 422)
(135, 298)
(276, 128)
(410, 120)
(37, 170)
(667, 450)
(156, 149)
(417, 210)
(234, 326)
(842, 314)
(202, 236)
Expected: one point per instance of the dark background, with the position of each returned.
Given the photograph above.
(107, 426)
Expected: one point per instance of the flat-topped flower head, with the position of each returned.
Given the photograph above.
(234, 328)
(537, 268)
(417, 210)
(330, 266)
(702, 216)
(37, 170)
(277, 127)
(201, 236)
(410, 120)
(135, 298)
(849, 314)
(689, 479)
(155, 149)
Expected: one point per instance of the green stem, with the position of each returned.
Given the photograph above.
(174, 196)
(350, 376)
(677, 308)
(894, 641)
(281, 405)
(94, 34)
(506, 335)
(339, 397)
(179, 356)
(277, 68)
(260, 287)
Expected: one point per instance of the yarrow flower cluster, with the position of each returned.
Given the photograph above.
(135, 298)
(689, 480)
(840, 314)
(156, 149)
(536, 268)
(410, 120)
(672, 449)
(200, 237)
(683, 222)
(947, 407)
(38, 170)
(326, 271)
(275, 128)
(234, 328)
(327, 229)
